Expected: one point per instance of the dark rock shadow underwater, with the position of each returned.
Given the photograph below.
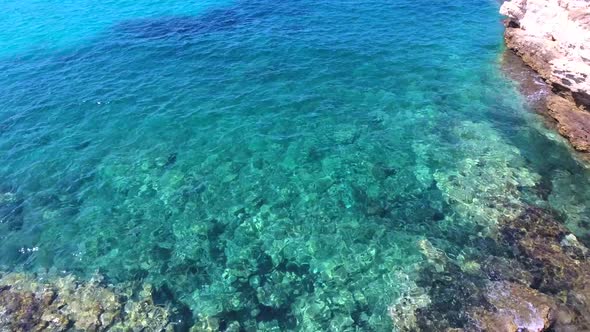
(245, 15)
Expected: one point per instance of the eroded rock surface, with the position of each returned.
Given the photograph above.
(513, 307)
(573, 123)
(552, 37)
(33, 303)
(541, 283)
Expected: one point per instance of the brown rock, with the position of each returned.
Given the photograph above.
(537, 238)
(530, 83)
(28, 303)
(535, 51)
(514, 308)
(543, 285)
(558, 262)
(573, 123)
(552, 37)
(20, 311)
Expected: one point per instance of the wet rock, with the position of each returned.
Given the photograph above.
(532, 50)
(471, 267)
(513, 308)
(530, 83)
(441, 295)
(552, 38)
(21, 311)
(435, 256)
(571, 244)
(554, 34)
(458, 302)
(573, 123)
(556, 259)
(536, 238)
(545, 286)
(502, 268)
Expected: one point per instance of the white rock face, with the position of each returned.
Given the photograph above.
(514, 9)
(560, 29)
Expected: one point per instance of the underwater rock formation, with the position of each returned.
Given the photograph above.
(42, 303)
(513, 307)
(541, 283)
(486, 186)
(552, 36)
(556, 258)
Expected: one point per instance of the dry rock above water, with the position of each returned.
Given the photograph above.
(553, 38)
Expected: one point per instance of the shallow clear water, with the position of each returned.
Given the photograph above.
(275, 163)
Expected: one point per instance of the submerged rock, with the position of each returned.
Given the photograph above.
(345, 134)
(549, 249)
(435, 256)
(513, 307)
(29, 303)
(404, 311)
(542, 285)
(486, 186)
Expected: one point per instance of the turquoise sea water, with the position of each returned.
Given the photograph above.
(273, 163)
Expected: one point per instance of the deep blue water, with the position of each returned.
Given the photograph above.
(274, 163)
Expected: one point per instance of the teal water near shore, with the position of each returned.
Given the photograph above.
(273, 163)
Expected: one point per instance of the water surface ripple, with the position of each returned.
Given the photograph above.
(271, 163)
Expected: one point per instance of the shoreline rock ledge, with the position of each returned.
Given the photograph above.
(553, 38)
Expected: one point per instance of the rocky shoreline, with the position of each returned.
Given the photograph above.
(534, 274)
(553, 38)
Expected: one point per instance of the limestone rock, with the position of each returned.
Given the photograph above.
(514, 9)
(572, 122)
(552, 37)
